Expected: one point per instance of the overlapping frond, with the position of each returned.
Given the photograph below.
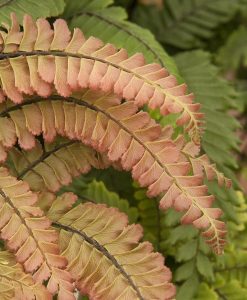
(28, 234)
(40, 59)
(105, 256)
(55, 165)
(15, 284)
(129, 138)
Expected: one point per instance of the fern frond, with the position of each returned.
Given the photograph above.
(15, 284)
(202, 163)
(96, 191)
(152, 219)
(28, 234)
(105, 257)
(36, 9)
(54, 165)
(233, 55)
(182, 243)
(134, 140)
(91, 16)
(128, 138)
(101, 120)
(233, 266)
(186, 24)
(40, 59)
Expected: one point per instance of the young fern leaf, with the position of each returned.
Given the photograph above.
(105, 256)
(55, 165)
(40, 59)
(28, 234)
(15, 284)
(132, 140)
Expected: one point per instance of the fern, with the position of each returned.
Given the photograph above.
(96, 191)
(124, 124)
(113, 71)
(102, 122)
(91, 16)
(27, 232)
(232, 55)
(15, 284)
(186, 24)
(69, 104)
(116, 267)
(54, 165)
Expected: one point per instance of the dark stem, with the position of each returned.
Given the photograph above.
(222, 296)
(42, 158)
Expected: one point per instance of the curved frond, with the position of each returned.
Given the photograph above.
(131, 139)
(39, 59)
(105, 256)
(15, 284)
(28, 234)
(54, 165)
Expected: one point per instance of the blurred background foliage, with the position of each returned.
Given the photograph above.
(204, 43)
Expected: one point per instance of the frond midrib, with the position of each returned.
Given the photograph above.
(103, 251)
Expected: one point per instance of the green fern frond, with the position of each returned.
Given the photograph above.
(232, 266)
(186, 24)
(96, 191)
(36, 9)
(233, 54)
(152, 220)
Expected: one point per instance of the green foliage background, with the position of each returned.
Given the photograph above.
(204, 43)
